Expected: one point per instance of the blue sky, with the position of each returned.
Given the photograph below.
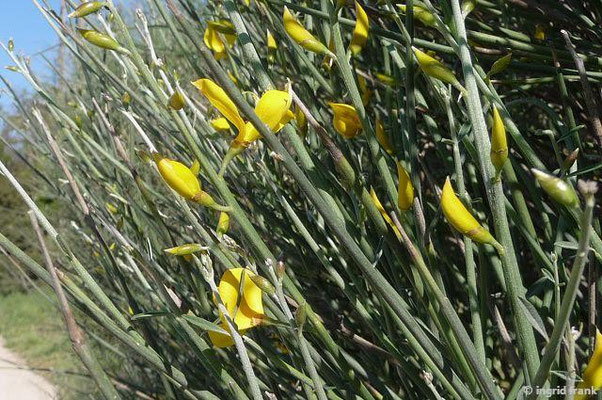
(22, 21)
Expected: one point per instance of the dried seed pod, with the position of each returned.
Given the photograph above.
(558, 189)
(462, 220)
(87, 8)
(102, 40)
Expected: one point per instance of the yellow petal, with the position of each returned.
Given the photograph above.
(250, 307)
(213, 40)
(179, 177)
(220, 100)
(273, 108)
(301, 120)
(405, 194)
(221, 340)
(460, 218)
(346, 121)
(383, 212)
(434, 68)
(421, 14)
(499, 145)
(361, 30)
(366, 92)
(381, 136)
(592, 375)
(220, 124)
(271, 41)
(195, 167)
(301, 35)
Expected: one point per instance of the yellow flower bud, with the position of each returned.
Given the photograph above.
(499, 146)
(178, 177)
(87, 8)
(405, 192)
(540, 32)
(436, 69)
(301, 120)
(177, 100)
(382, 137)
(557, 188)
(346, 121)
(220, 124)
(366, 92)
(421, 14)
(185, 249)
(223, 224)
(361, 30)
(386, 79)
(246, 312)
(102, 40)
(301, 35)
(272, 46)
(383, 212)
(213, 39)
(263, 284)
(462, 220)
(467, 7)
(126, 100)
(592, 375)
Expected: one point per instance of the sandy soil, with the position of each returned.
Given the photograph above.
(18, 383)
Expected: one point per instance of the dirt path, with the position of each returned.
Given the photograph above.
(21, 384)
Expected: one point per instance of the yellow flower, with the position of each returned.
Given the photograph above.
(366, 92)
(540, 32)
(460, 218)
(361, 30)
(592, 376)
(184, 181)
(271, 41)
(383, 212)
(405, 193)
(436, 69)
(301, 35)
(382, 137)
(178, 177)
(273, 108)
(346, 121)
(213, 40)
(246, 312)
(185, 249)
(499, 146)
(421, 14)
(220, 124)
(301, 120)
(177, 100)
(223, 224)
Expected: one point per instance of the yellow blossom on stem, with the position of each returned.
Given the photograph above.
(436, 69)
(246, 311)
(346, 121)
(183, 180)
(301, 35)
(272, 46)
(381, 136)
(213, 39)
(499, 145)
(405, 193)
(361, 30)
(273, 109)
(592, 376)
(462, 220)
(220, 124)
